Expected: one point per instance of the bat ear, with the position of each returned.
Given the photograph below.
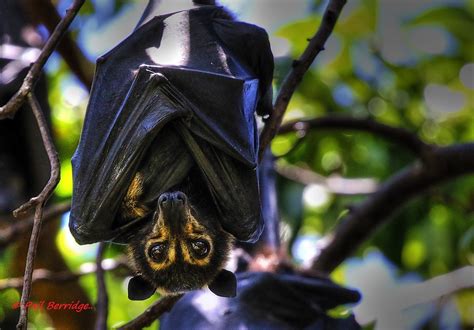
(139, 288)
(224, 285)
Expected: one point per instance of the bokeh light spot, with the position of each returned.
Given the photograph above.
(331, 161)
(429, 40)
(467, 75)
(441, 99)
(413, 254)
(315, 195)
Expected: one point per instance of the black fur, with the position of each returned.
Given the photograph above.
(205, 2)
(224, 284)
(140, 289)
(223, 13)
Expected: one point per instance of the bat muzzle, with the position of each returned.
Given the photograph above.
(172, 200)
(173, 209)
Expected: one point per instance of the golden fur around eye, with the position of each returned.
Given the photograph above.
(188, 255)
(170, 258)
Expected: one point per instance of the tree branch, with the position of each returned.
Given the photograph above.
(38, 202)
(41, 275)
(16, 230)
(12, 106)
(445, 163)
(152, 313)
(335, 184)
(294, 77)
(102, 297)
(397, 135)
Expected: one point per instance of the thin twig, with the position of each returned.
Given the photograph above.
(152, 313)
(294, 77)
(397, 135)
(446, 163)
(39, 202)
(45, 275)
(102, 297)
(16, 230)
(12, 106)
(53, 181)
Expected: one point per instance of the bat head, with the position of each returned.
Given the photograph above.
(182, 248)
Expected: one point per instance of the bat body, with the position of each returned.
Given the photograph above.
(167, 160)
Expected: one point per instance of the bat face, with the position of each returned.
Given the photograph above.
(183, 247)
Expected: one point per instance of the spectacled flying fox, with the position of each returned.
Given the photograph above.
(167, 161)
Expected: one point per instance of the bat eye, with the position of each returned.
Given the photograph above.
(157, 251)
(200, 248)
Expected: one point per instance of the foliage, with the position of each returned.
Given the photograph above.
(433, 234)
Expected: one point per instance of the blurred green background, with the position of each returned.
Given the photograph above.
(404, 63)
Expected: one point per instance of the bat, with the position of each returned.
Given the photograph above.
(167, 160)
(282, 299)
(266, 301)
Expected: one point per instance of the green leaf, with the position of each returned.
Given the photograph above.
(361, 22)
(299, 32)
(456, 20)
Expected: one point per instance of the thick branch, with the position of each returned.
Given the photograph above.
(445, 163)
(294, 77)
(397, 135)
(38, 202)
(21, 227)
(152, 313)
(12, 106)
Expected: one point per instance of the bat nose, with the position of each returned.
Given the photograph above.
(172, 200)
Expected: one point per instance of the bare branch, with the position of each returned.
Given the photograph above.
(412, 294)
(152, 313)
(335, 184)
(397, 135)
(39, 202)
(11, 233)
(102, 297)
(445, 163)
(42, 275)
(294, 77)
(12, 106)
